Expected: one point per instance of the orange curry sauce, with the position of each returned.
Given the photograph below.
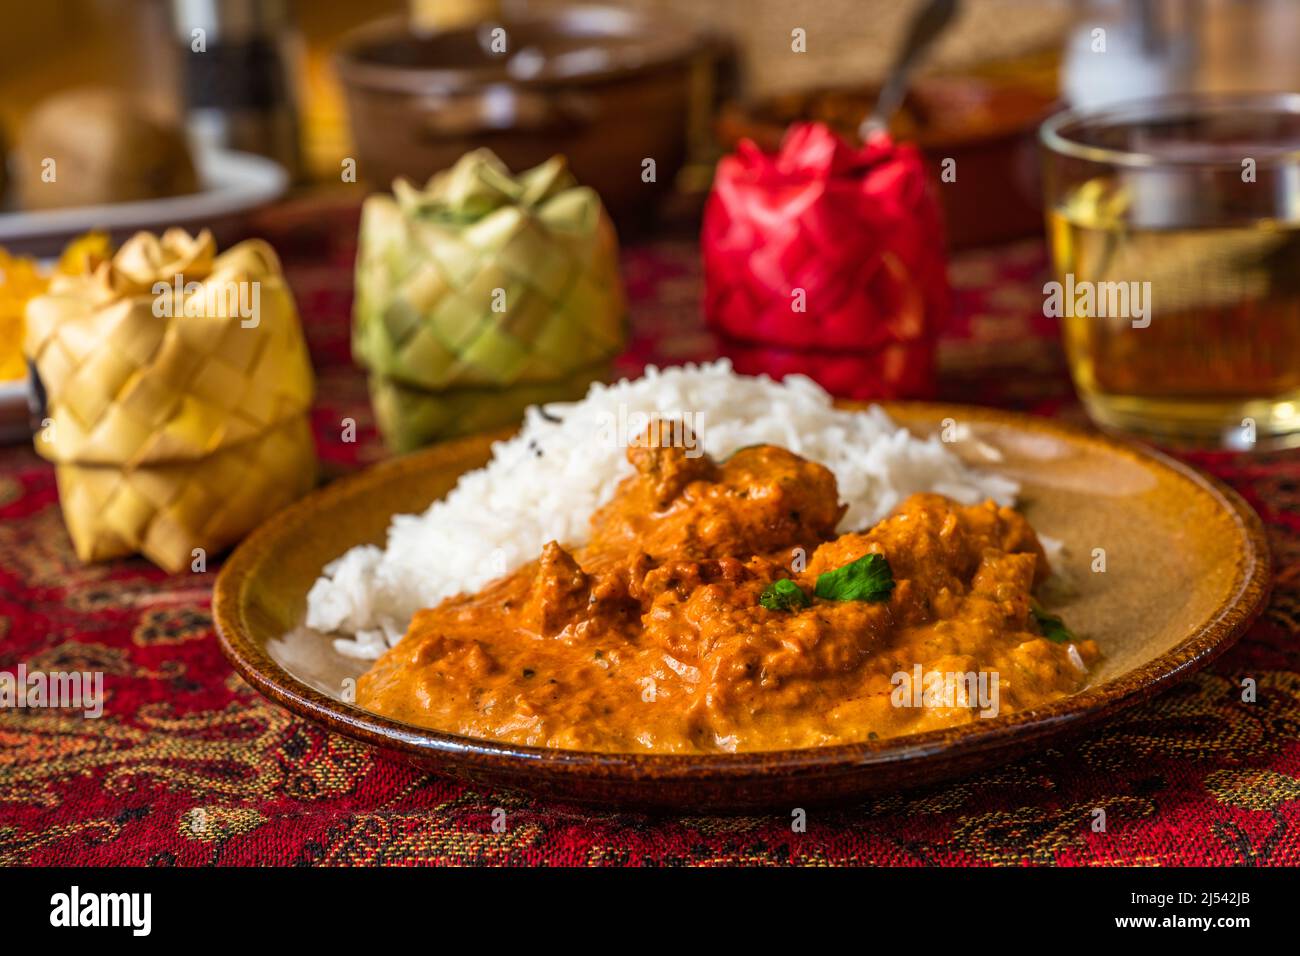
(653, 637)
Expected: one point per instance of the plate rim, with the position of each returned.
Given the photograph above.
(1230, 619)
(230, 182)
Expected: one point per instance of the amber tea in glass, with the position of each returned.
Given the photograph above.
(1175, 236)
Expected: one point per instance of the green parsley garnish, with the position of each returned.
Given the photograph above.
(783, 595)
(1053, 627)
(867, 579)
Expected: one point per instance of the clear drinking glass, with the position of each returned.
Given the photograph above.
(1175, 234)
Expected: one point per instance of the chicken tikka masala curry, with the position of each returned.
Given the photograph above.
(716, 609)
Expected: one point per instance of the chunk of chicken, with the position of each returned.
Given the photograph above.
(758, 501)
(560, 593)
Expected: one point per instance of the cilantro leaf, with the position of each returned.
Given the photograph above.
(869, 578)
(1053, 627)
(783, 595)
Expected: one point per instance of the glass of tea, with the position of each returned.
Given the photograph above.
(1175, 234)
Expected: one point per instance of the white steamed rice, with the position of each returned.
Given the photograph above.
(499, 516)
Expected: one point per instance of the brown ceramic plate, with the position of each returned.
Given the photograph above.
(1187, 570)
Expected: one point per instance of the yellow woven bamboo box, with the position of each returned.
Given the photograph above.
(178, 385)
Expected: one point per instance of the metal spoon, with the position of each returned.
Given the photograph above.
(930, 20)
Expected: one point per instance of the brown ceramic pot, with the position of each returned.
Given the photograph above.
(607, 88)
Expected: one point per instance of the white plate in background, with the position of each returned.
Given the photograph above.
(15, 425)
(233, 183)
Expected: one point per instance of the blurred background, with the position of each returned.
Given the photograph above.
(269, 83)
(221, 107)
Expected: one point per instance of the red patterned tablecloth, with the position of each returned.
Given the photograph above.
(190, 766)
